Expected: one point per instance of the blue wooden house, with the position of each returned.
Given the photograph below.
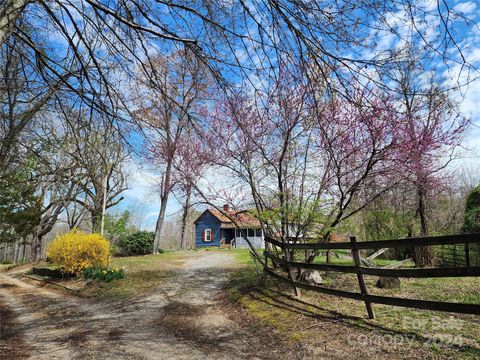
(214, 228)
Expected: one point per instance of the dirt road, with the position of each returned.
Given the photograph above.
(184, 319)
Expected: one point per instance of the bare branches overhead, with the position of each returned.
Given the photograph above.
(101, 44)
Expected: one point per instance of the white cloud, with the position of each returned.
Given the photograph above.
(142, 182)
(465, 7)
(142, 195)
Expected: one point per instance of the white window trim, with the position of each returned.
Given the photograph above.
(208, 235)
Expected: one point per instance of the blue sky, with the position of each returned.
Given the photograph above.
(142, 195)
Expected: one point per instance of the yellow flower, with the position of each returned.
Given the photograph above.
(76, 250)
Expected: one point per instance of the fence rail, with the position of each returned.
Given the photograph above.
(288, 248)
(408, 273)
(380, 244)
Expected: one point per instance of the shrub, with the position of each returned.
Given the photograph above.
(76, 250)
(472, 222)
(103, 273)
(472, 211)
(139, 243)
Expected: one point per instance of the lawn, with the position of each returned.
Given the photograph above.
(323, 322)
(421, 333)
(343, 257)
(142, 273)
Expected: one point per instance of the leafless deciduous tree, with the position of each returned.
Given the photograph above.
(429, 133)
(167, 98)
(309, 162)
(234, 39)
(23, 96)
(101, 155)
(303, 142)
(191, 163)
(56, 176)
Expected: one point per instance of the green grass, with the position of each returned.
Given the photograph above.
(242, 255)
(343, 257)
(145, 261)
(8, 266)
(322, 259)
(272, 303)
(142, 274)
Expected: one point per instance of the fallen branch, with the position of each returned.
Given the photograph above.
(377, 254)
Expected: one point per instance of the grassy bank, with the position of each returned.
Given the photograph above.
(329, 324)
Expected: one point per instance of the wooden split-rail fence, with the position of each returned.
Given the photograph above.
(281, 253)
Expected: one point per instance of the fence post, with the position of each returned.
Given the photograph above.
(361, 281)
(265, 266)
(467, 255)
(286, 256)
(455, 255)
(290, 275)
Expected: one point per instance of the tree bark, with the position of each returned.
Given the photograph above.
(96, 214)
(37, 246)
(164, 193)
(46, 224)
(186, 210)
(104, 204)
(9, 12)
(159, 224)
(423, 255)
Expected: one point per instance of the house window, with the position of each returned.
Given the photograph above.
(259, 232)
(208, 234)
(251, 232)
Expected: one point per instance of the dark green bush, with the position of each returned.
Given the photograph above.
(51, 270)
(103, 273)
(472, 211)
(472, 222)
(139, 243)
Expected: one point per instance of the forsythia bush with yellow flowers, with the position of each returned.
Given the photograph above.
(77, 250)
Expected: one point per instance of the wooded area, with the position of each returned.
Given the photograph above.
(304, 123)
(293, 110)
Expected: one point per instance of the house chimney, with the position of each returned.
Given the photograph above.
(226, 207)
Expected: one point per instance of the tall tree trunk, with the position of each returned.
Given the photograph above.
(164, 193)
(423, 255)
(159, 225)
(422, 212)
(186, 210)
(47, 222)
(10, 10)
(37, 246)
(96, 214)
(104, 203)
(24, 250)
(44, 226)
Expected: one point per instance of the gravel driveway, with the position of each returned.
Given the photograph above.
(184, 319)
